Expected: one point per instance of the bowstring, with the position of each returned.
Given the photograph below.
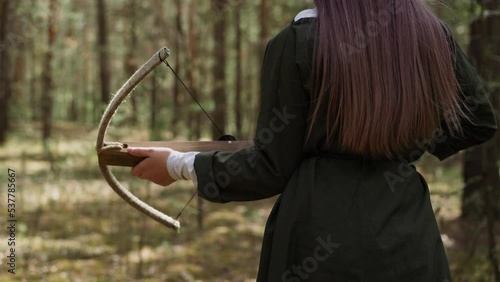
(192, 95)
(186, 205)
(204, 111)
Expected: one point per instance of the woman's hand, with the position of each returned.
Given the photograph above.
(154, 167)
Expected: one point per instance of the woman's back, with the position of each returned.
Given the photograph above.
(383, 101)
(343, 216)
(337, 131)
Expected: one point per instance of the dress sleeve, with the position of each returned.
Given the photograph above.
(263, 170)
(481, 123)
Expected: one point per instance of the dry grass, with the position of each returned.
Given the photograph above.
(74, 228)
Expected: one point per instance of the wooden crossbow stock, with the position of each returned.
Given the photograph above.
(115, 153)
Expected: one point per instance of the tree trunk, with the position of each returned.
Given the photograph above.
(86, 114)
(104, 73)
(130, 58)
(153, 135)
(176, 117)
(33, 77)
(33, 89)
(195, 130)
(239, 79)
(480, 169)
(5, 91)
(252, 77)
(194, 115)
(481, 196)
(219, 91)
(155, 101)
(18, 69)
(264, 28)
(46, 103)
(73, 107)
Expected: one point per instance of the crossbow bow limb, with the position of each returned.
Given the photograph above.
(115, 153)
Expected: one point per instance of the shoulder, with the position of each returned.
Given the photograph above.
(298, 30)
(306, 14)
(305, 17)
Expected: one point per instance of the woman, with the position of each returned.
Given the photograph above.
(352, 93)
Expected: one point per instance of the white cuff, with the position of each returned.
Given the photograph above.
(180, 166)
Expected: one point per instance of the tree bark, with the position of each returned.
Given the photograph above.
(177, 117)
(33, 77)
(73, 107)
(33, 99)
(131, 64)
(19, 66)
(194, 114)
(219, 90)
(481, 163)
(86, 114)
(239, 76)
(46, 103)
(153, 108)
(481, 197)
(104, 72)
(264, 27)
(155, 102)
(5, 90)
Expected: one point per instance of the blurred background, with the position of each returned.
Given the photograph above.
(60, 62)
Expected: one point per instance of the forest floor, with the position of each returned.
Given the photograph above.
(72, 227)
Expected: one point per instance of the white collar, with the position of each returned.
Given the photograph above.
(309, 13)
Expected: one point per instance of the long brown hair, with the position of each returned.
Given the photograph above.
(385, 70)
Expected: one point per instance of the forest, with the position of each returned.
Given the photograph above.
(62, 61)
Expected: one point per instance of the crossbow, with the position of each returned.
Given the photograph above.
(115, 153)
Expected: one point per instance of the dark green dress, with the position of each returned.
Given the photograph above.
(338, 218)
